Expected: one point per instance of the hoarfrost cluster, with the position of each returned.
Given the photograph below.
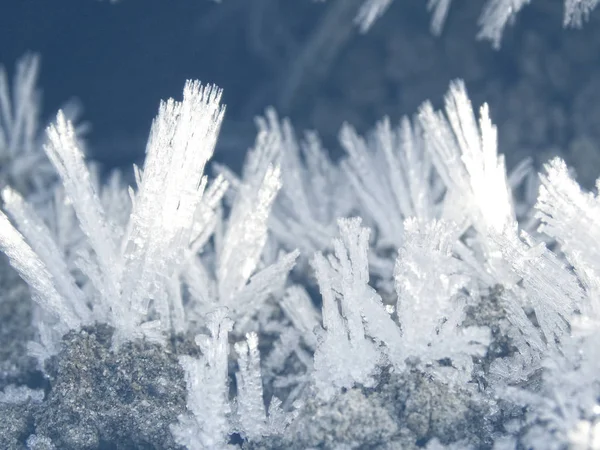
(436, 280)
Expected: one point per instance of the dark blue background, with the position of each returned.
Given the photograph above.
(121, 59)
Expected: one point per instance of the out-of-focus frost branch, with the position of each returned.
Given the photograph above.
(23, 163)
(496, 15)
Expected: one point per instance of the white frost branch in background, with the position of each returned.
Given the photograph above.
(496, 15)
(439, 12)
(391, 176)
(578, 11)
(314, 194)
(23, 163)
(369, 12)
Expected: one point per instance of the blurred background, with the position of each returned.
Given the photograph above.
(308, 60)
